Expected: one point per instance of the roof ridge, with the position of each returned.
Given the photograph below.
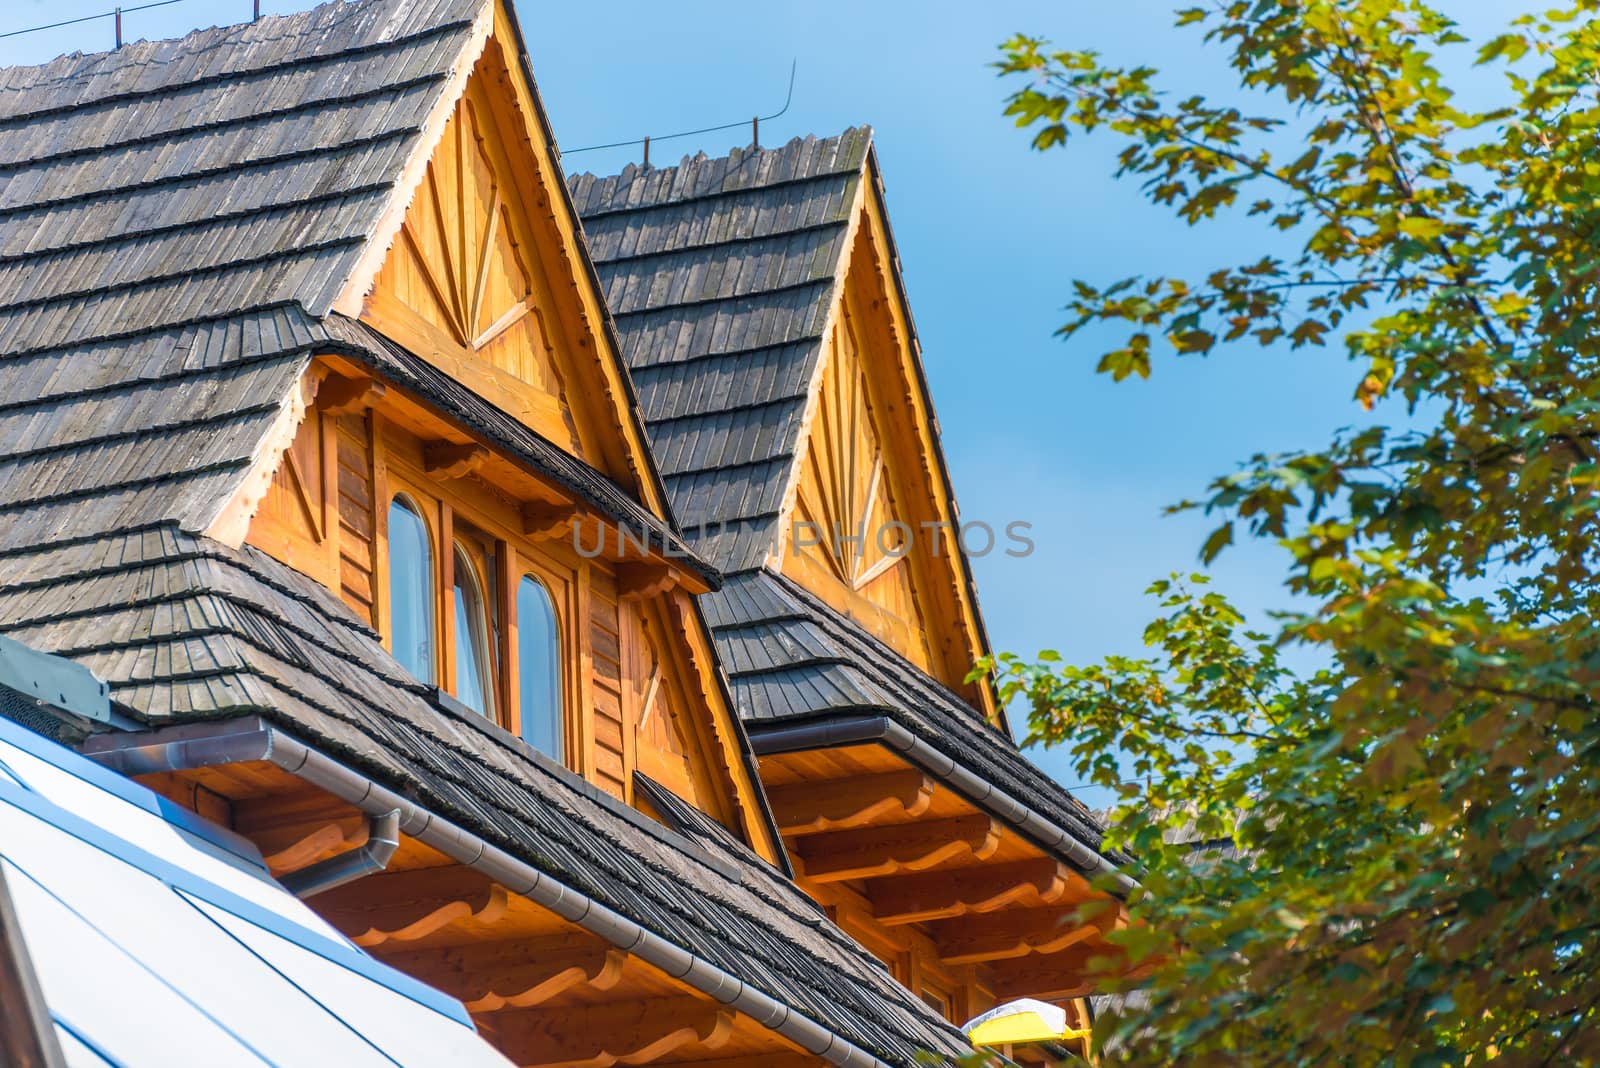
(693, 177)
(140, 56)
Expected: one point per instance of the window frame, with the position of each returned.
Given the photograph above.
(480, 571)
(419, 508)
(490, 523)
(514, 673)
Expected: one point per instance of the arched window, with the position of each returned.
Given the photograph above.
(474, 669)
(539, 668)
(411, 589)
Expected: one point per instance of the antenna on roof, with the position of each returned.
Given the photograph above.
(755, 127)
(116, 14)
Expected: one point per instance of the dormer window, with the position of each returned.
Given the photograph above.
(411, 589)
(486, 622)
(475, 674)
(539, 668)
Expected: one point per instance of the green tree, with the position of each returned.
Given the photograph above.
(1421, 819)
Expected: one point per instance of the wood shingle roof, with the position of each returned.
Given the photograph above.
(721, 273)
(176, 221)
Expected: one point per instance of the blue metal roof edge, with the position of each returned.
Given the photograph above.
(80, 767)
(342, 954)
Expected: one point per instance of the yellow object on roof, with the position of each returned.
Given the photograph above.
(1020, 1021)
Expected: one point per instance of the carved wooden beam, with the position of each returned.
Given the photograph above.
(635, 1031)
(1017, 933)
(640, 582)
(542, 520)
(872, 851)
(448, 459)
(1055, 976)
(514, 973)
(909, 899)
(349, 394)
(403, 906)
(836, 804)
(315, 845)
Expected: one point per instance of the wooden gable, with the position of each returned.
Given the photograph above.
(463, 283)
(849, 535)
(480, 269)
(872, 528)
(485, 278)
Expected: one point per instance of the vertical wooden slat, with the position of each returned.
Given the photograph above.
(447, 597)
(582, 753)
(510, 671)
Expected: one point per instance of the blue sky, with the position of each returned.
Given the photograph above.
(990, 233)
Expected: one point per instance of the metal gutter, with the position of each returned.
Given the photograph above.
(252, 739)
(856, 730)
(383, 838)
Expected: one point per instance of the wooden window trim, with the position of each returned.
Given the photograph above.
(502, 557)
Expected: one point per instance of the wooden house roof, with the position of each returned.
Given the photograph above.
(177, 220)
(185, 628)
(792, 659)
(721, 274)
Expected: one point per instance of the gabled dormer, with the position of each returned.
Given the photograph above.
(783, 387)
(480, 491)
(760, 305)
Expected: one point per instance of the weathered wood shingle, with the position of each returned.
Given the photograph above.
(719, 274)
(174, 216)
(184, 628)
(176, 219)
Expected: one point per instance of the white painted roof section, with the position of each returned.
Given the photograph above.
(160, 940)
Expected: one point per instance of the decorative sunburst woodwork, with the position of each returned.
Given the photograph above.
(667, 750)
(909, 899)
(458, 286)
(844, 490)
(847, 526)
(836, 856)
(838, 804)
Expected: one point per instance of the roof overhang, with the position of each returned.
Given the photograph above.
(483, 885)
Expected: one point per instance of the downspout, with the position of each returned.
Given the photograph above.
(252, 739)
(383, 838)
(855, 730)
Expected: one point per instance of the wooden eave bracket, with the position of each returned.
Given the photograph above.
(515, 972)
(837, 804)
(642, 581)
(624, 1031)
(544, 520)
(1051, 977)
(1017, 933)
(449, 459)
(837, 856)
(920, 898)
(403, 906)
(340, 394)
